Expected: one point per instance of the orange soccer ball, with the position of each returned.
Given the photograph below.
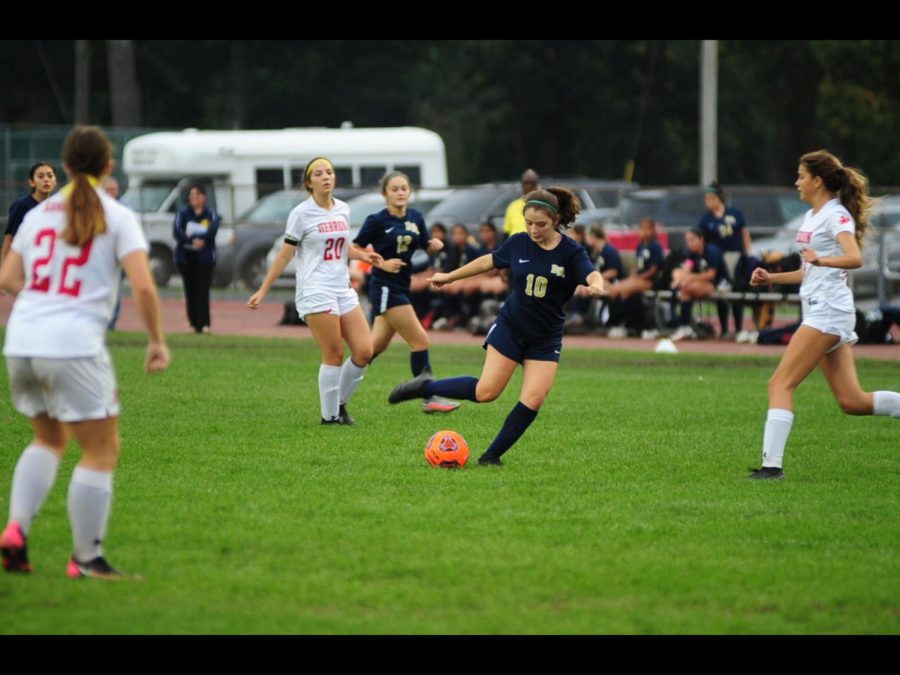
(447, 449)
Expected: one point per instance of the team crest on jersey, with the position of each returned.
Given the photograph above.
(843, 220)
(558, 270)
(411, 226)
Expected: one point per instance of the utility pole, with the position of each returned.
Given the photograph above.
(82, 81)
(709, 95)
(124, 90)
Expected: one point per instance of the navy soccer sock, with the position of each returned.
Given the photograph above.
(454, 387)
(518, 420)
(418, 361)
(738, 311)
(687, 308)
(722, 310)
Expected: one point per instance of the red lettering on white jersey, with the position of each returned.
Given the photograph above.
(333, 226)
(804, 237)
(844, 220)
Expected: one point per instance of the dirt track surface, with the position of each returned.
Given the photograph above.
(232, 317)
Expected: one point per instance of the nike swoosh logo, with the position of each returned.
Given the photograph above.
(524, 261)
(556, 351)
(389, 229)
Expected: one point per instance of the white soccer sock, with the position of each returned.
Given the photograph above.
(778, 426)
(886, 403)
(34, 476)
(329, 390)
(351, 376)
(90, 498)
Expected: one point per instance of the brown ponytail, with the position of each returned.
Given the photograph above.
(563, 204)
(86, 153)
(850, 185)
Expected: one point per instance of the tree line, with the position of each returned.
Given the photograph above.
(564, 108)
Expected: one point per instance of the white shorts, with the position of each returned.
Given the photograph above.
(68, 390)
(316, 301)
(827, 319)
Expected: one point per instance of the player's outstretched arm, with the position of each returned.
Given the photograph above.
(596, 285)
(478, 266)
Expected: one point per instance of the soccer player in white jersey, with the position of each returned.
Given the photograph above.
(830, 238)
(317, 236)
(64, 268)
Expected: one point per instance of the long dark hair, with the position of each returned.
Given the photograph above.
(559, 203)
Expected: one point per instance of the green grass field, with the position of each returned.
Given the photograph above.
(624, 508)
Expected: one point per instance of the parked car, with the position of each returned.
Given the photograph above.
(361, 207)
(245, 260)
(765, 209)
(472, 206)
(885, 217)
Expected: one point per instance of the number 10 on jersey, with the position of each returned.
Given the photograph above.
(536, 286)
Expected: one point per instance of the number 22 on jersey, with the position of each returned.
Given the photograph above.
(42, 282)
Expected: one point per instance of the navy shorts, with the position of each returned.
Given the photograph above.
(384, 297)
(519, 348)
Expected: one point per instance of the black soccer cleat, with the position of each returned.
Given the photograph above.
(489, 460)
(333, 420)
(344, 416)
(767, 473)
(414, 388)
(97, 568)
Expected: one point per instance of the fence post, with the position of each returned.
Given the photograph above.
(882, 266)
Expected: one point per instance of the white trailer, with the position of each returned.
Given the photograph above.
(240, 167)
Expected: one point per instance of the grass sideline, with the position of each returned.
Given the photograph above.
(624, 509)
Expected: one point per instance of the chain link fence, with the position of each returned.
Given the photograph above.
(22, 147)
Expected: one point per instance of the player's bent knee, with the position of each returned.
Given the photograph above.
(855, 406)
(56, 442)
(533, 403)
(363, 357)
(486, 393)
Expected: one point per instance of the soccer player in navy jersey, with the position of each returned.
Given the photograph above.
(395, 233)
(725, 227)
(545, 268)
(701, 274)
(649, 260)
(42, 181)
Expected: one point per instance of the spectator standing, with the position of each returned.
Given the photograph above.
(514, 221)
(195, 229)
